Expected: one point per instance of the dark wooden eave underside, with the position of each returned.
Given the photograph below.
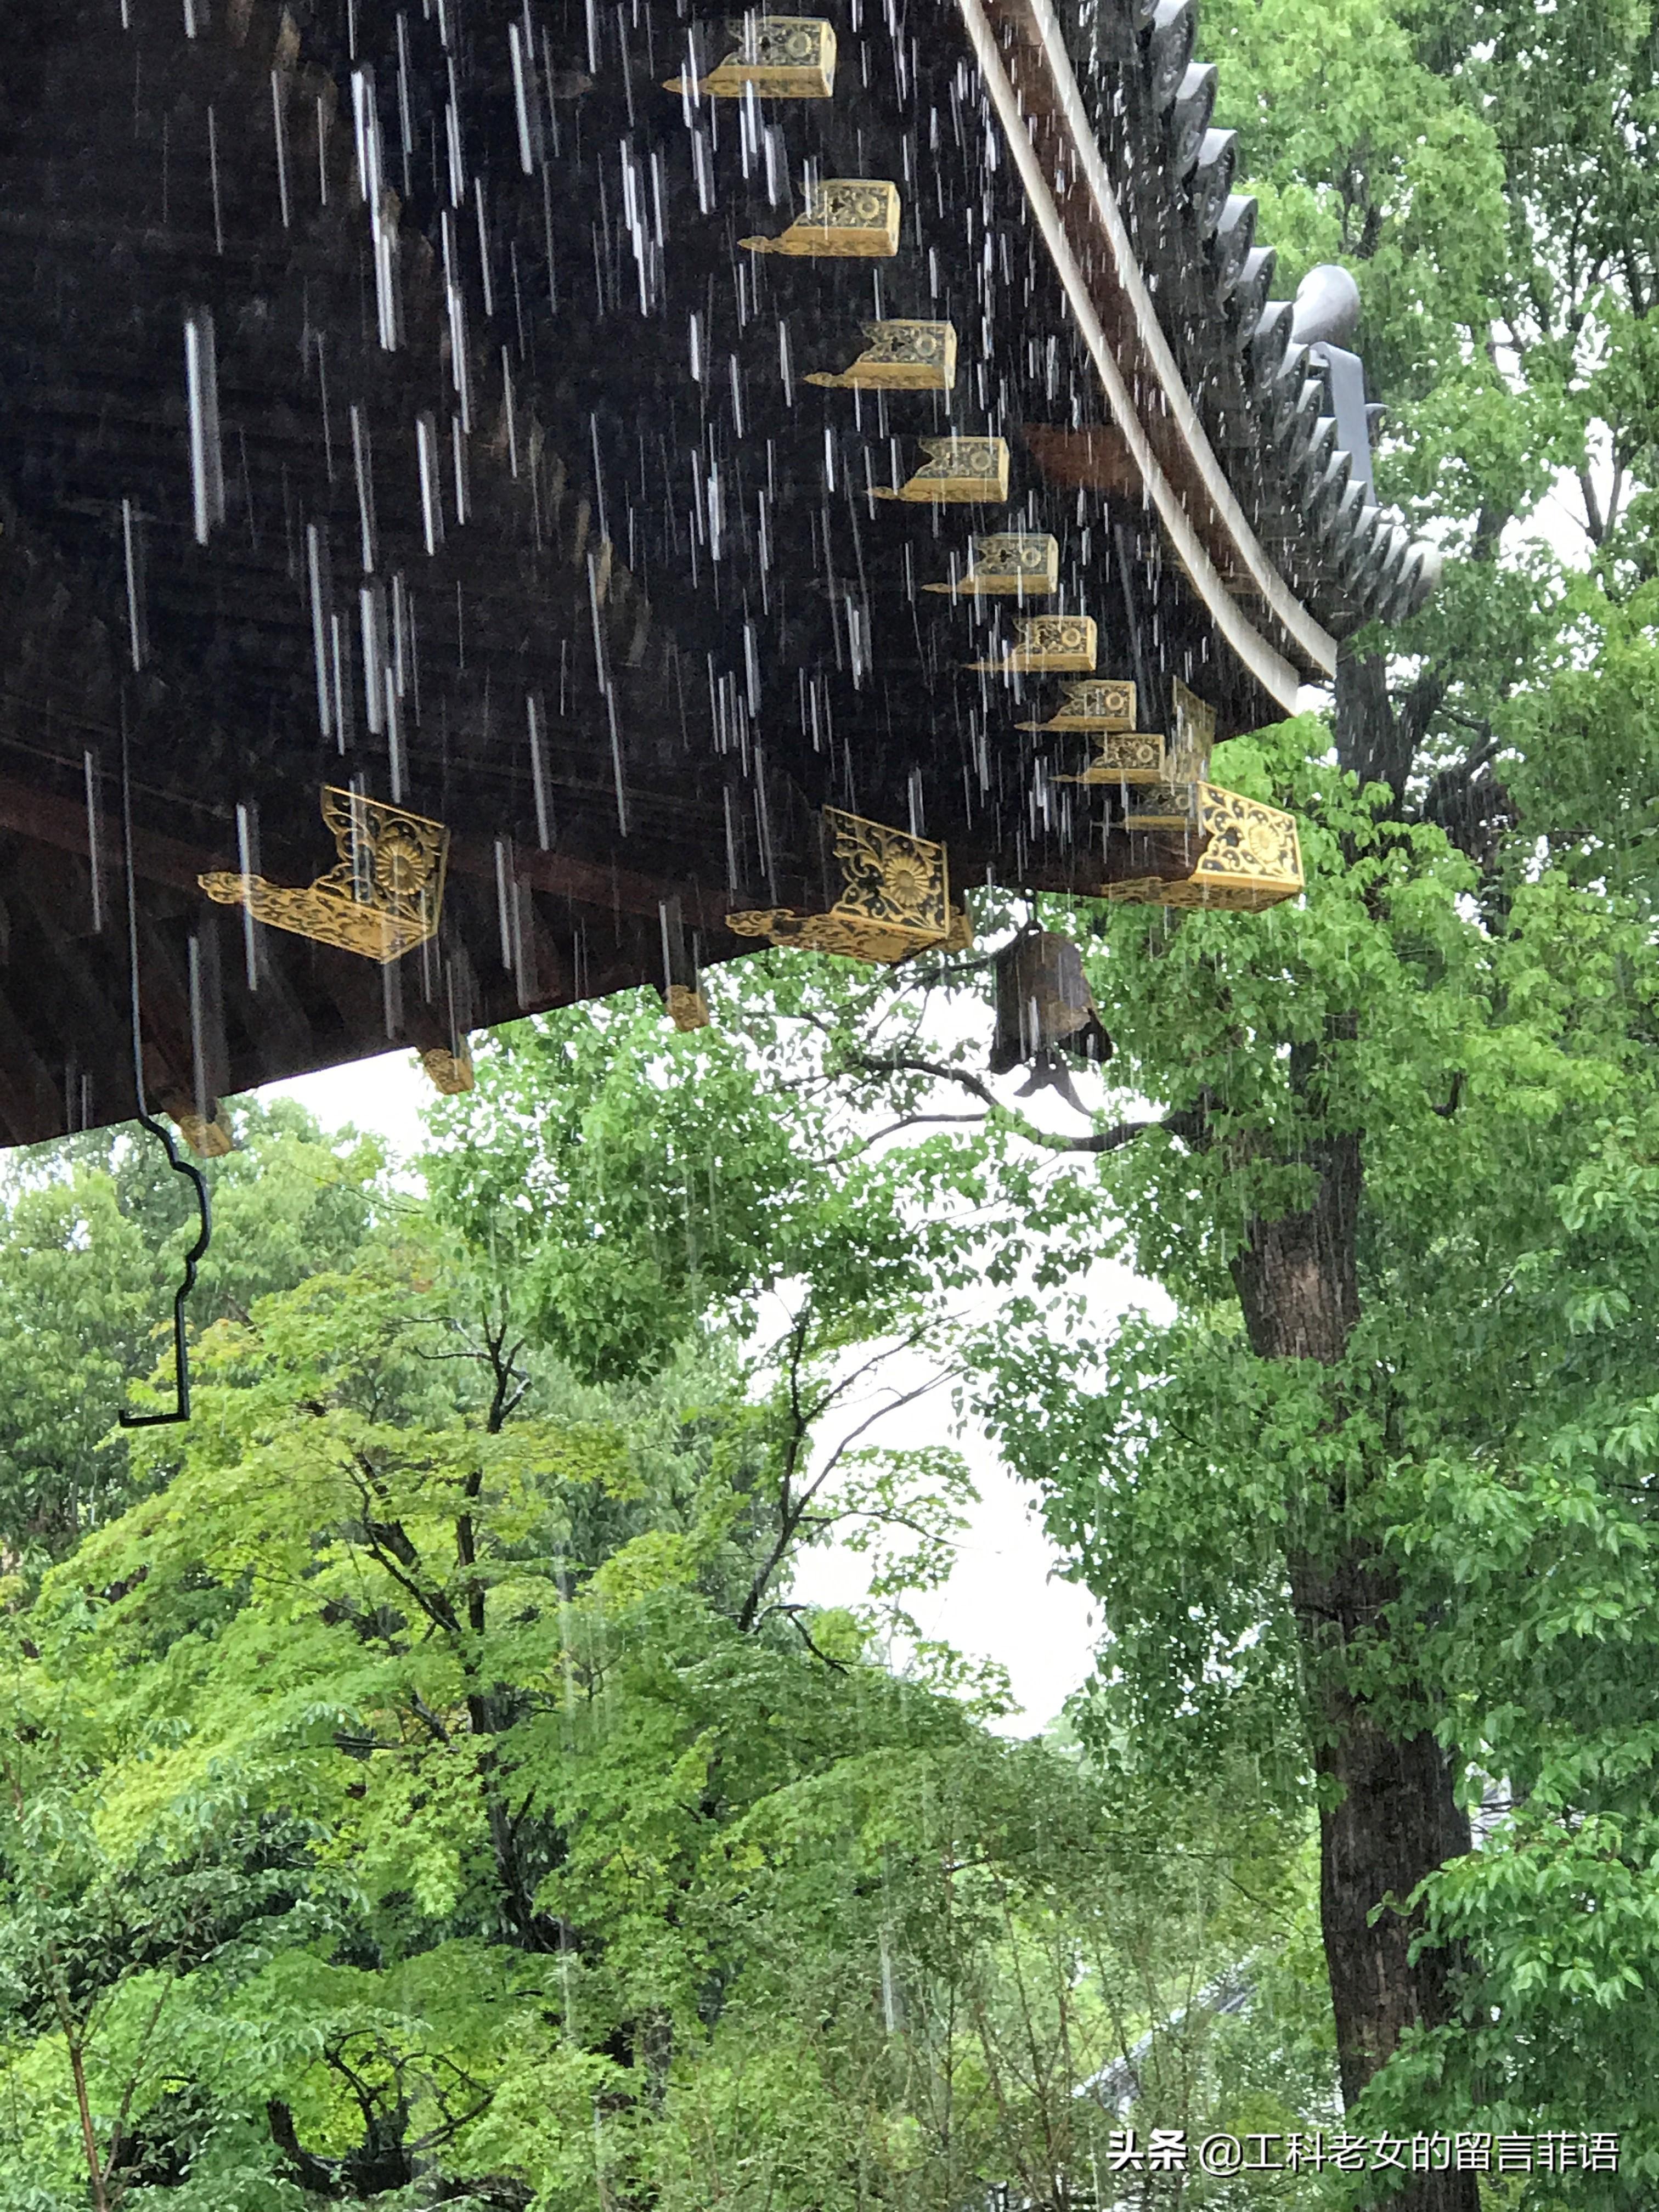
(725, 632)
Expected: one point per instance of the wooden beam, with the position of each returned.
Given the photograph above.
(605, 887)
(62, 823)
(30, 1100)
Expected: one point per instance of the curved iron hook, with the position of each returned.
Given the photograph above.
(180, 1349)
(147, 1122)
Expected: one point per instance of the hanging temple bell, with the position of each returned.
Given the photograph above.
(1045, 1012)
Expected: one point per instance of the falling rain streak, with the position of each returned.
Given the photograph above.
(669, 374)
(207, 465)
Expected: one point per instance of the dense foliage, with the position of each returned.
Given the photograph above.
(420, 1784)
(426, 1786)
(1387, 1474)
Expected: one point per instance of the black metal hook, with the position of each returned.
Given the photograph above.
(180, 1349)
(147, 1122)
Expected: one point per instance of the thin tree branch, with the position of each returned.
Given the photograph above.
(910, 1121)
(794, 1612)
(1188, 1124)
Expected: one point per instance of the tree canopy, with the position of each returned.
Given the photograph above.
(407, 1798)
(424, 1782)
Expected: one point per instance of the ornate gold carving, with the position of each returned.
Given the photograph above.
(775, 56)
(1171, 771)
(687, 1008)
(823, 932)
(1101, 703)
(1253, 848)
(899, 357)
(847, 219)
(895, 897)
(1175, 798)
(957, 469)
(1026, 562)
(1106, 705)
(892, 878)
(207, 1135)
(1049, 645)
(1126, 756)
(1194, 735)
(382, 898)
(1253, 859)
(450, 1073)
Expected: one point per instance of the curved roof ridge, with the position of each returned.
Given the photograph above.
(1266, 387)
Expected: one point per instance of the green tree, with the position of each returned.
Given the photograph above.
(92, 1236)
(1385, 1115)
(640, 1185)
(406, 1799)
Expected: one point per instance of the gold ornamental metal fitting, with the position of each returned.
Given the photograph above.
(1023, 563)
(774, 57)
(956, 470)
(899, 357)
(1047, 645)
(1134, 756)
(686, 1008)
(847, 219)
(382, 898)
(448, 1073)
(1253, 858)
(1105, 702)
(895, 899)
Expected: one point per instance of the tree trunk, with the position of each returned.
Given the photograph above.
(1396, 1822)
(1391, 1817)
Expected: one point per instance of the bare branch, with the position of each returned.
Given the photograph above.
(1190, 1124)
(793, 1504)
(892, 1405)
(910, 1121)
(793, 1614)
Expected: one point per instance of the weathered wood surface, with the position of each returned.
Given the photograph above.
(668, 543)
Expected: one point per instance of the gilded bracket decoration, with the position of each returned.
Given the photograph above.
(687, 1008)
(956, 470)
(1025, 564)
(1105, 707)
(1047, 645)
(1253, 859)
(847, 219)
(1194, 735)
(1102, 702)
(775, 56)
(895, 898)
(449, 1073)
(1126, 757)
(382, 898)
(899, 357)
(1167, 772)
(210, 1136)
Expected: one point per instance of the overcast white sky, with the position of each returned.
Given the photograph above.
(1002, 1601)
